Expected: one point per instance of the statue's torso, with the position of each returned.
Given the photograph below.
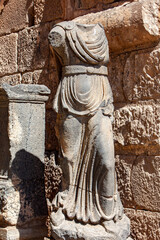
(83, 53)
(80, 44)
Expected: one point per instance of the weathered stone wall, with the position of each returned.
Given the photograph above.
(133, 31)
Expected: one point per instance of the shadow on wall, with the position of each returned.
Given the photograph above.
(27, 175)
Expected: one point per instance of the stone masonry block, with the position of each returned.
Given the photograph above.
(48, 10)
(50, 79)
(11, 79)
(135, 76)
(22, 134)
(137, 128)
(27, 78)
(14, 15)
(8, 54)
(128, 26)
(46, 77)
(33, 48)
(85, 4)
(115, 76)
(141, 79)
(144, 224)
(124, 166)
(32, 233)
(145, 182)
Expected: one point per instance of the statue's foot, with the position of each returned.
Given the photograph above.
(57, 218)
(110, 227)
(120, 230)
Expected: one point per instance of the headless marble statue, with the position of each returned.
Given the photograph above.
(84, 107)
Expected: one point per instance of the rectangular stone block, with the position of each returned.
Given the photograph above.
(85, 4)
(138, 181)
(27, 78)
(14, 15)
(135, 76)
(141, 75)
(137, 128)
(33, 48)
(8, 54)
(11, 79)
(22, 136)
(46, 77)
(48, 10)
(116, 75)
(124, 166)
(128, 26)
(24, 129)
(13, 233)
(50, 79)
(145, 182)
(144, 224)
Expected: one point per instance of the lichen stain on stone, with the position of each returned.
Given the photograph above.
(2, 5)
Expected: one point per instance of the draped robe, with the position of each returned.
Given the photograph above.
(84, 105)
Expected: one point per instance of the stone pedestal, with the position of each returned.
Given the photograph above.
(22, 135)
(71, 230)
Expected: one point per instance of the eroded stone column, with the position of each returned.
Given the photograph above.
(22, 135)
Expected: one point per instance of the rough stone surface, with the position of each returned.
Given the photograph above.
(72, 231)
(144, 224)
(116, 75)
(135, 76)
(140, 26)
(15, 16)
(20, 203)
(53, 176)
(2, 4)
(138, 181)
(24, 194)
(85, 4)
(46, 77)
(13, 233)
(124, 166)
(10, 204)
(137, 128)
(27, 78)
(33, 48)
(11, 79)
(8, 54)
(48, 10)
(141, 75)
(145, 182)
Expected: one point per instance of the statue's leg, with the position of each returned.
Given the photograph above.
(68, 131)
(105, 156)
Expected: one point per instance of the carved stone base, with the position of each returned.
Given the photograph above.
(13, 233)
(70, 230)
